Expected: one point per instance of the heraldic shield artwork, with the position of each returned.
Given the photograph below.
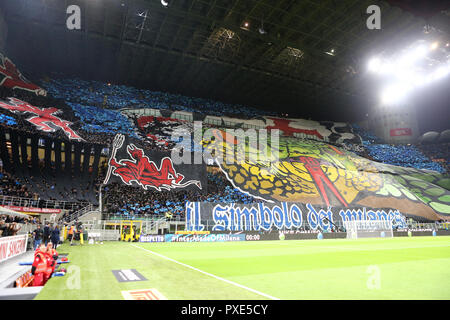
(43, 119)
(317, 173)
(131, 164)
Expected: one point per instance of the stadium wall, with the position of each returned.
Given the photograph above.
(396, 125)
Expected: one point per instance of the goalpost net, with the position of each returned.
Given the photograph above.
(368, 229)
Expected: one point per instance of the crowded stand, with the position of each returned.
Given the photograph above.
(399, 155)
(96, 120)
(438, 152)
(402, 155)
(37, 192)
(94, 93)
(223, 150)
(92, 112)
(39, 187)
(122, 201)
(13, 188)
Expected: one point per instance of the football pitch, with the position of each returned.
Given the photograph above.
(394, 268)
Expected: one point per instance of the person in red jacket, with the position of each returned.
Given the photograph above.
(39, 267)
(52, 258)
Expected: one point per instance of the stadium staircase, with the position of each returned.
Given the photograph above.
(84, 214)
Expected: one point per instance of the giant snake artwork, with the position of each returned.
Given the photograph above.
(309, 171)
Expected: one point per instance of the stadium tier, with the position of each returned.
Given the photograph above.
(233, 134)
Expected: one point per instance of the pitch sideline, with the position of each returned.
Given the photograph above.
(209, 274)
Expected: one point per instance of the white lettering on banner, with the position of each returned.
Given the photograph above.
(204, 238)
(262, 217)
(12, 246)
(151, 238)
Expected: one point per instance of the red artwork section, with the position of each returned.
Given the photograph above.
(12, 78)
(284, 126)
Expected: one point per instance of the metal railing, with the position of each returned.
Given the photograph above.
(148, 226)
(39, 203)
(149, 217)
(75, 215)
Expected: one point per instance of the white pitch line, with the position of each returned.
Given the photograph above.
(209, 274)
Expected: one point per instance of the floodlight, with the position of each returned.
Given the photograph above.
(440, 73)
(394, 94)
(386, 68)
(374, 64)
(411, 57)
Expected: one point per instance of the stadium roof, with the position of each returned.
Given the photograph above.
(262, 53)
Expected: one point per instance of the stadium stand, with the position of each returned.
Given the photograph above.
(93, 108)
(115, 97)
(439, 152)
(236, 122)
(399, 155)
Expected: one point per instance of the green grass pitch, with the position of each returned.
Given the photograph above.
(395, 268)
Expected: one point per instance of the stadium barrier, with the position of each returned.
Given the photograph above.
(38, 206)
(424, 232)
(12, 246)
(212, 237)
(157, 231)
(268, 236)
(152, 238)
